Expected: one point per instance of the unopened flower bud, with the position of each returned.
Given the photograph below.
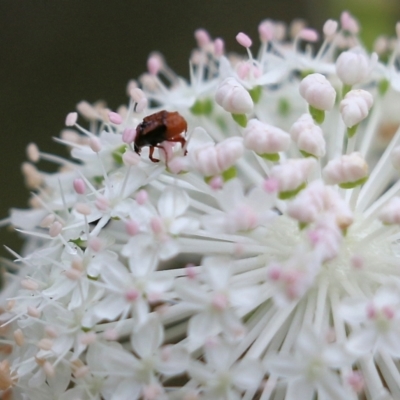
(233, 97)
(355, 107)
(318, 92)
(353, 66)
(244, 40)
(130, 158)
(348, 171)
(390, 214)
(71, 119)
(87, 110)
(265, 139)
(349, 23)
(330, 27)
(292, 175)
(308, 136)
(114, 118)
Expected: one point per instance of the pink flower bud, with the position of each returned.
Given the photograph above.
(83, 208)
(202, 37)
(79, 186)
(318, 92)
(310, 35)
(292, 173)
(228, 152)
(95, 144)
(219, 47)
(390, 214)
(87, 110)
(349, 168)
(55, 229)
(266, 31)
(355, 107)
(349, 23)
(154, 64)
(308, 136)
(130, 158)
(244, 40)
(233, 97)
(71, 119)
(265, 139)
(114, 118)
(353, 66)
(330, 27)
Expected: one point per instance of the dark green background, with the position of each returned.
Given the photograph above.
(55, 53)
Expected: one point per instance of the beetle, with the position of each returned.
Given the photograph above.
(160, 127)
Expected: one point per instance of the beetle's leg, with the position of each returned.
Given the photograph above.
(181, 140)
(151, 151)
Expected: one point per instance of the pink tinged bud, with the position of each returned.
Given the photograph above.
(243, 40)
(355, 107)
(310, 35)
(136, 94)
(266, 31)
(132, 228)
(87, 110)
(49, 370)
(141, 105)
(293, 173)
(233, 97)
(33, 312)
(47, 221)
(114, 118)
(275, 272)
(51, 332)
(142, 197)
(73, 274)
(388, 312)
(88, 338)
(357, 262)
(55, 229)
(371, 311)
(83, 208)
(96, 244)
(356, 381)
(79, 186)
(219, 47)
(32, 152)
(353, 66)
(204, 160)
(347, 169)
(71, 119)
(390, 214)
(45, 344)
(318, 92)
(157, 225)
(228, 152)
(154, 64)
(95, 144)
(271, 185)
(28, 284)
(308, 136)
(202, 37)
(191, 272)
(330, 27)
(132, 295)
(81, 372)
(130, 158)
(265, 139)
(102, 203)
(216, 183)
(111, 334)
(166, 352)
(19, 337)
(220, 302)
(349, 23)
(395, 157)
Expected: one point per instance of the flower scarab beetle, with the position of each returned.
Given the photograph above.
(159, 127)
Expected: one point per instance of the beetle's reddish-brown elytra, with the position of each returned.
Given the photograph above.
(160, 127)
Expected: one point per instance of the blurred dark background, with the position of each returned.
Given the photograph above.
(55, 53)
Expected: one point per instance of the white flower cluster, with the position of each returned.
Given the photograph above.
(257, 259)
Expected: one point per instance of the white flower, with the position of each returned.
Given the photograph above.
(239, 270)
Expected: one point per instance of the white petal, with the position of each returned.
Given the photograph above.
(173, 202)
(177, 362)
(218, 271)
(300, 389)
(110, 307)
(232, 195)
(219, 355)
(201, 327)
(284, 365)
(148, 338)
(247, 374)
(362, 341)
(391, 343)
